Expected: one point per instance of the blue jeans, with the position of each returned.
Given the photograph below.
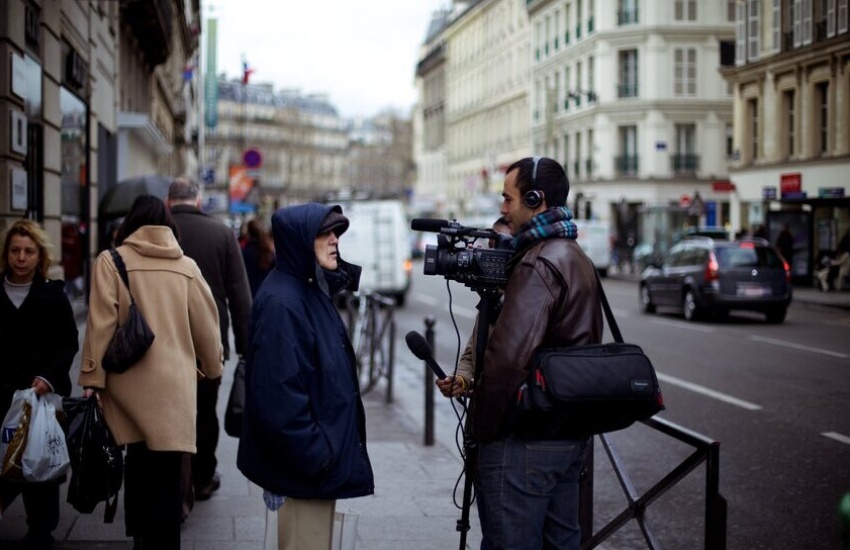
(529, 489)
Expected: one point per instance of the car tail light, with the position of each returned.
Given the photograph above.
(408, 266)
(747, 245)
(711, 268)
(787, 271)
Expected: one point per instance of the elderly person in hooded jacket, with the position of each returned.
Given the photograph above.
(304, 432)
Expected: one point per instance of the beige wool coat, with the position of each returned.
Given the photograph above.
(154, 400)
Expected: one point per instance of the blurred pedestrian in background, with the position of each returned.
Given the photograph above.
(258, 253)
(216, 251)
(150, 408)
(304, 434)
(785, 244)
(38, 339)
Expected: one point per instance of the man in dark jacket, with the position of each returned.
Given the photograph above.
(215, 249)
(551, 299)
(304, 430)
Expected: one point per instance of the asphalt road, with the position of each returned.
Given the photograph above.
(776, 397)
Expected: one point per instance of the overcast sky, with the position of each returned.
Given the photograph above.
(361, 53)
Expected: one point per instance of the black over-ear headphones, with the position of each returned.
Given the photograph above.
(533, 197)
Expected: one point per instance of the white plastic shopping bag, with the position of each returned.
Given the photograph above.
(46, 454)
(14, 432)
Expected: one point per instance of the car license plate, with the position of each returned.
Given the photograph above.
(753, 291)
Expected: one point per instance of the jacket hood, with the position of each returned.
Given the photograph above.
(294, 229)
(155, 241)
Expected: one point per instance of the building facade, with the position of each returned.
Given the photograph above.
(791, 143)
(68, 86)
(631, 102)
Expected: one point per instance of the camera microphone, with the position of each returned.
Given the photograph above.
(431, 225)
(420, 348)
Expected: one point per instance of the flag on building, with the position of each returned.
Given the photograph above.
(246, 72)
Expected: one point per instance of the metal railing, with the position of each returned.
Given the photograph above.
(371, 327)
(706, 450)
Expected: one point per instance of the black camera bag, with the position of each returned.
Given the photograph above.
(579, 391)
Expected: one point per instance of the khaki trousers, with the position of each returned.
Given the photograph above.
(305, 524)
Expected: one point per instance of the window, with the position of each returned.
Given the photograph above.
(589, 165)
(741, 35)
(627, 162)
(628, 86)
(685, 72)
(777, 25)
(590, 78)
(731, 11)
(577, 162)
(753, 112)
(685, 10)
(797, 21)
(788, 105)
(806, 16)
(685, 158)
(753, 30)
(627, 14)
(566, 152)
(730, 141)
(822, 98)
(830, 18)
(842, 16)
(567, 87)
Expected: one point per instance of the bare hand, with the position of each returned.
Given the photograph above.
(451, 386)
(41, 387)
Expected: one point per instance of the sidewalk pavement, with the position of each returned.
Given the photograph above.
(412, 508)
(415, 486)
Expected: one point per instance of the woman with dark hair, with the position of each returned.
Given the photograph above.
(258, 254)
(150, 408)
(38, 336)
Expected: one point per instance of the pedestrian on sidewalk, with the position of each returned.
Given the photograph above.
(38, 336)
(215, 249)
(551, 299)
(258, 253)
(304, 431)
(150, 407)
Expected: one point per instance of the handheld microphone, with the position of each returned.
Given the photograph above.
(420, 348)
(431, 225)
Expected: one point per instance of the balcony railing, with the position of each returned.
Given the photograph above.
(627, 17)
(629, 89)
(684, 163)
(626, 165)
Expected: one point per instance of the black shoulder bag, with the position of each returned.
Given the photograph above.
(579, 391)
(132, 339)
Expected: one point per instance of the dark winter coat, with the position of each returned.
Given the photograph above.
(37, 339)
(216, 251)
(304, 430)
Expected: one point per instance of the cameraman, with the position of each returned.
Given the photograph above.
(528, 482)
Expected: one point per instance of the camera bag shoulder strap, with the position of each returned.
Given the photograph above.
(609, 315)
(122, 270)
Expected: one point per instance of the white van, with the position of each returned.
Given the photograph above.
(594, 237)
(378, 240)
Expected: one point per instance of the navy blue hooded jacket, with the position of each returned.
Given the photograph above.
(304, 427)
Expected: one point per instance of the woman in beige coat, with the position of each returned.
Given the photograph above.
(150, 408)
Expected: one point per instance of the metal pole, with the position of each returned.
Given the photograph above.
(429, 385)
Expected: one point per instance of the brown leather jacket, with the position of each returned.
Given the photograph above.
(552, 299)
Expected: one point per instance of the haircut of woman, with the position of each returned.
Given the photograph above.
(150, 407)
(38, 336)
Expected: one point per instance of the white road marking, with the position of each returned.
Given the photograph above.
(696, 388)
(427, 300)
(687, 326)
(837, 436)
(802, 347)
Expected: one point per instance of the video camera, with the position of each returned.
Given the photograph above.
(456, 258)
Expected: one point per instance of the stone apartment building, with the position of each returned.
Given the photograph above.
(93, 92)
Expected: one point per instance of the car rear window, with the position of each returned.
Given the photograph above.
(742, 256)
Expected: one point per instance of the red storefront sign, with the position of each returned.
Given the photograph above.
(790, 183)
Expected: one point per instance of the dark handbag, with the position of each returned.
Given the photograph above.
(579, 391)
(132, 339)
(97, 465)
(235, 402)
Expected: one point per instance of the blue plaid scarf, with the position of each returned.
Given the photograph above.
(554, 223)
